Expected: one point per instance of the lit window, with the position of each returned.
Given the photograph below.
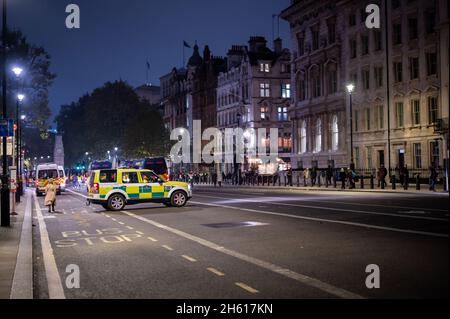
(265, 113)
(264, 89)
(282, 113)
(303, 138)
(264, 67)
(318, 146)
(286, 91)
(335, 134)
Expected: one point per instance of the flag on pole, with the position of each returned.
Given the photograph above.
(186, 44)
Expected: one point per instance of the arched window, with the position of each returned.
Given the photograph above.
(334, 134)
(303, 137)
(318, 144)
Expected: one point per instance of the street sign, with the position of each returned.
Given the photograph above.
(6, 127)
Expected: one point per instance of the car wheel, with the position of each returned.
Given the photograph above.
(116, 202)
(178, 199)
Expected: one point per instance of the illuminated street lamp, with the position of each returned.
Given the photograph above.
(17, 70)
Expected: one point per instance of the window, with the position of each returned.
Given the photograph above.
(352, 48)
(357, 158)
(286, 90)
(366, 79)
(397, 33)
(352, 19)
(315, 37)
(355, 120)
(417, 155)
(149, 177)
(332, 80)
(378, 76)
(303, 137)
(334, 134)
(264, 89)
(380, 111)
(430, 21)
(302, 90)
(301, 44)
(434, 153)
(433, 110)
(130, 178)
(368, 119)
(415, 107)
(284, 143)
(431, 63)
(282, 113)
(331, 24)
(369, 157)
(377, 40)
(364, 45)
(285, 68)
(264, 67)
(318, 144)
(265, 115)
(398, 72)
(412, 28)
(108, 176)
(399, 114)
(395, 4)
(316, 85)
(414, 68)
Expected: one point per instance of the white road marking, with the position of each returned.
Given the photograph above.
(400, 230)
(339, 292)
(332, 209)
(129, 227)
(247, 288)
(193, 260)
(121, 223)
(336, 202)
(215, 271)
(167, 247)
(55, 288)
(152, 239)
(140, 233)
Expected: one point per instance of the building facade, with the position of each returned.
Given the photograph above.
(396, 110)
(151, 93)
(255, 92)
(318, 110)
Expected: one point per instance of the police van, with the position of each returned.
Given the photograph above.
(116, 188)
(45, 173)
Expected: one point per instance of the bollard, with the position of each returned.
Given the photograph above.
(318, 180)
(304, 181)
(394, 180)
(372, 183)
(418, 182)
(362, 181)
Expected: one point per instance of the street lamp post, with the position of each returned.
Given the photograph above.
(5, 218)
(22, 155)
(19, 99)
(238, 165)
(350, 89)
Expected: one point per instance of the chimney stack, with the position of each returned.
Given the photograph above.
(278, 45)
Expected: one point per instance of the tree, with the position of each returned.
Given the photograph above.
(111, 116)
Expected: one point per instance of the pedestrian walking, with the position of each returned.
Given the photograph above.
(433, 178)
(313, 176)
(342, 177)
(329, 174)
(50, 196)
(382, 173)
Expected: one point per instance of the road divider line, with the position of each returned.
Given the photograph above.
(332, 209)
(332, 221)
(328, 288)
(129, 227)
(215, 271)
(167, 247)
(140, 233)
(153, 239)
(247, 288)
(193, 260)
(121, 223)
(55, 288)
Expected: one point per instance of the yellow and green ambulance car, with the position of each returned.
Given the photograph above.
(115, 188)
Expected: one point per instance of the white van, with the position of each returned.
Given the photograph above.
(62, 178)
(44, 173)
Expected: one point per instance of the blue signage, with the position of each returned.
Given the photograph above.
(6, 127)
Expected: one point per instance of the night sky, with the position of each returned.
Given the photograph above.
(117, 37)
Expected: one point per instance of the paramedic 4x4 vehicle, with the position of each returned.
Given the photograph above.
(115, 188)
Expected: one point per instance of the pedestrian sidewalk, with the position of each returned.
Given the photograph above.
(16, 253)
(399, 190)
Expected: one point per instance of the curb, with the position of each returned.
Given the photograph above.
(22, 286)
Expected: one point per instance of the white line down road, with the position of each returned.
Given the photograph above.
(335, 291)
(55, 288)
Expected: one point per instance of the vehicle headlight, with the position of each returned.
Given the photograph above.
(189, 187)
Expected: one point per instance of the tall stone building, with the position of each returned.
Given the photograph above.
(254, 92)
(332, 47)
